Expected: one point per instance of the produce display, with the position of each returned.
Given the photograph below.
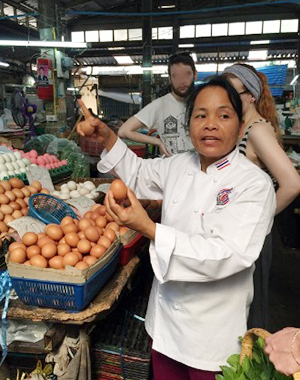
(72, 190)
(14, 196)
(75, 243)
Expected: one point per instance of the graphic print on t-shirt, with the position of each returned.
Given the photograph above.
(170, 125)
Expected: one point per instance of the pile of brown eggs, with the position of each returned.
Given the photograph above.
(14, 196)
(75, 243)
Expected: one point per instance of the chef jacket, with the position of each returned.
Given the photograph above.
(213, 227)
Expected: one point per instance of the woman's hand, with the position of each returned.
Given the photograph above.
(101, 131)
(279, 348)
(133, 216)
(163, 149)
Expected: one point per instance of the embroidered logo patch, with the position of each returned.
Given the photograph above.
(223, 197)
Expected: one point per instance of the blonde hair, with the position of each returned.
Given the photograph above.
(265, 106)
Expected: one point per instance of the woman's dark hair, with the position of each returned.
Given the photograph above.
(216, 81)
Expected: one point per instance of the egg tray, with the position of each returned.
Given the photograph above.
(70, 289)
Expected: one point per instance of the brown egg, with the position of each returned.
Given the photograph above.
(94, 207)
(104, 241)
(72, 239)
(113, 225)
(27, 263)
(49, 250)
(118, 189)
(93, 223)
(32, 189)
(24, 211)
(1, 215)
(56, 262)
(44, 240)
(102, 210)
(98, 251)
(41, 235)
(54, 232)
(16, 245)
(45, 191)
(2, 190)
(6, 209)
(66, 220)
(81, 265)
(21, 202)
(63, 249)
(3, 227)
(15, 206)
(94, 215)
(8, 218)
(30, 238)
(100, 230)
(26, 200)
(19, 193)
(90, 260)
(87, 215)
(79, 255)
(84, 246)
(25, 192)
(110, 234)
(92, 234)
(109, 218)
(62, 241)
(4, 200)
(11, 230)
(6, 185)
(18, 255)
(69, 228)
(81, 235)
(84, 223)
(39, 261)
(10, 195)
(37, 185)
(17, 214)
(16, 183)
(123, 230)
(76, 222)
(101, 221)
(32, 251)
(70, 259)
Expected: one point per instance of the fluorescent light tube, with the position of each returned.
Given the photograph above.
(294, 79)
(4, 64)
(53, 44)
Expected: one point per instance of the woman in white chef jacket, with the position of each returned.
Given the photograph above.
(217, 209)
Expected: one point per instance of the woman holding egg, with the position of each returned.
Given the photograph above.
(217, 209)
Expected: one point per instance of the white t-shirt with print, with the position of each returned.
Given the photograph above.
(167, 116)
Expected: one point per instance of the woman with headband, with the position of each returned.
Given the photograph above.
(261, 143)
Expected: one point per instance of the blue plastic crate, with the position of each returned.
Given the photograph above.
(67, 296)
(49, 209)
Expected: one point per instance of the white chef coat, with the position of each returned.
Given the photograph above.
(212, 230)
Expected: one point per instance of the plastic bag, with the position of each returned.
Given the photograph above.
(62, 148)
(25, 331)
(80, 165)
(40, 143)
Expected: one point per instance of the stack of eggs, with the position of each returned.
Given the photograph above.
(12, 164)
(45, 161)
(75, 243)
(72, 190)
(14, 196)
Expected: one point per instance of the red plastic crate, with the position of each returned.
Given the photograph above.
(91, 146)
(139, 150)
(130, 250)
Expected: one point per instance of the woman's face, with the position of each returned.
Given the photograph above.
(243, 92)
(214, 124)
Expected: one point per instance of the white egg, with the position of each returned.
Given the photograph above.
(3, 175)
(21, 163)
(74, 194)
(84, 191)
(11, 173)
(72, 185)
(3, 168)
(9, 166)
(94, 193)
(56, 194)
(33, 165)
(65, 190)
(6, 158)
(22, 170)
(26, 161)
(64, 197)
(17, 171)
(12, 157)
(2, 160)
(90, 196)
(18, 155)
(89, 185)
(64, 186)
(15, 165)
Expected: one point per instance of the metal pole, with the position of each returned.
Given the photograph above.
(147, 54)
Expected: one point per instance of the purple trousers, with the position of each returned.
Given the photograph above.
(165, 368)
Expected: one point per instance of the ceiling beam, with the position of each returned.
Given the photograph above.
(75, 3)
(21, 7)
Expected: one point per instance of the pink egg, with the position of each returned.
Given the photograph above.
(33, 160)
(48, 166)
(33, 153)
(64, 162)
(40, 161)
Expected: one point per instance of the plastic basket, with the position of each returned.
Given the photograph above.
(132, 249)
(91, 146)
(48, 209)
(67, 296)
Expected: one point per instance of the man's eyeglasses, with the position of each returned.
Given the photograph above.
(244, 92)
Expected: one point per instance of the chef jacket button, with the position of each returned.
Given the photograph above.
(190, 173)
(215, 180)
(176, 307)
(196, 210)
(159, 295)
(175, 201)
